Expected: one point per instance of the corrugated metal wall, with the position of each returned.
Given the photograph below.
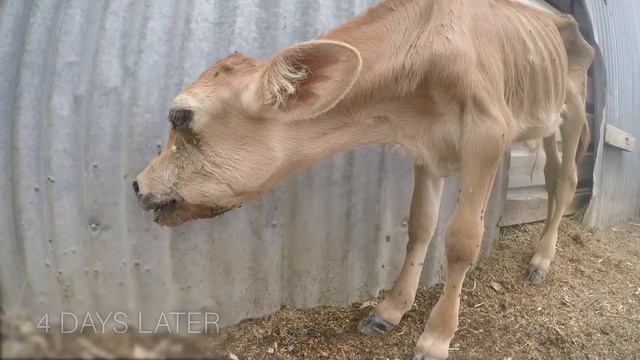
(616, 187)
(84, 91)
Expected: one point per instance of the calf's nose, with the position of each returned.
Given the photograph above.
(146, 199)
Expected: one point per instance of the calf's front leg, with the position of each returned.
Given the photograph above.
(425, 204)
(481, 156)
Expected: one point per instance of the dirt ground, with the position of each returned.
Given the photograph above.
(587, 308)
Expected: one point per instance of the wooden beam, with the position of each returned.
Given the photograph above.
(618, 138)
(534, 208)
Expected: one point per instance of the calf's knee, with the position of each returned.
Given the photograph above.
(462, 241)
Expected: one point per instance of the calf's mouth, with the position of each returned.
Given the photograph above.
(163, 209)
(173, 212)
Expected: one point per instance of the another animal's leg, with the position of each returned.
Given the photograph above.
(565, 187)
(481, 154)
(425, 204)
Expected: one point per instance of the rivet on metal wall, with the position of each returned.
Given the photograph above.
(404, 225)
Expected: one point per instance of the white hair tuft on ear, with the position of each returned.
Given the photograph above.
(281, 80)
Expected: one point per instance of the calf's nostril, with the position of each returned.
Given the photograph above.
(136, 188)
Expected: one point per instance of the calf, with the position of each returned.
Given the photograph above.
(452, 83)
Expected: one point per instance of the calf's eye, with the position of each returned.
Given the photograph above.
(179, 118)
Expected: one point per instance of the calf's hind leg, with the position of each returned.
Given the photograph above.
(565, 182)
(423, 216)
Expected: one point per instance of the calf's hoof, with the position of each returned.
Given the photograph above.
(374, 325)
(534, 275)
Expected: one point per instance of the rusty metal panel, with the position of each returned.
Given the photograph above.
(84, 89)
(616, 188)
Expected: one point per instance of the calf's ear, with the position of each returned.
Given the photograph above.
(307, 79)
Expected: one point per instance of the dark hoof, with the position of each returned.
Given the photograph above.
(533, 275)
(417, 356)
(374, 325)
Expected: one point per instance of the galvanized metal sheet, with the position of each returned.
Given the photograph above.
(616, 189)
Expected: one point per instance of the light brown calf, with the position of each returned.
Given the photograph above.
(452, 83)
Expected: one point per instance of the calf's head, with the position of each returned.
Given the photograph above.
(229, 139)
